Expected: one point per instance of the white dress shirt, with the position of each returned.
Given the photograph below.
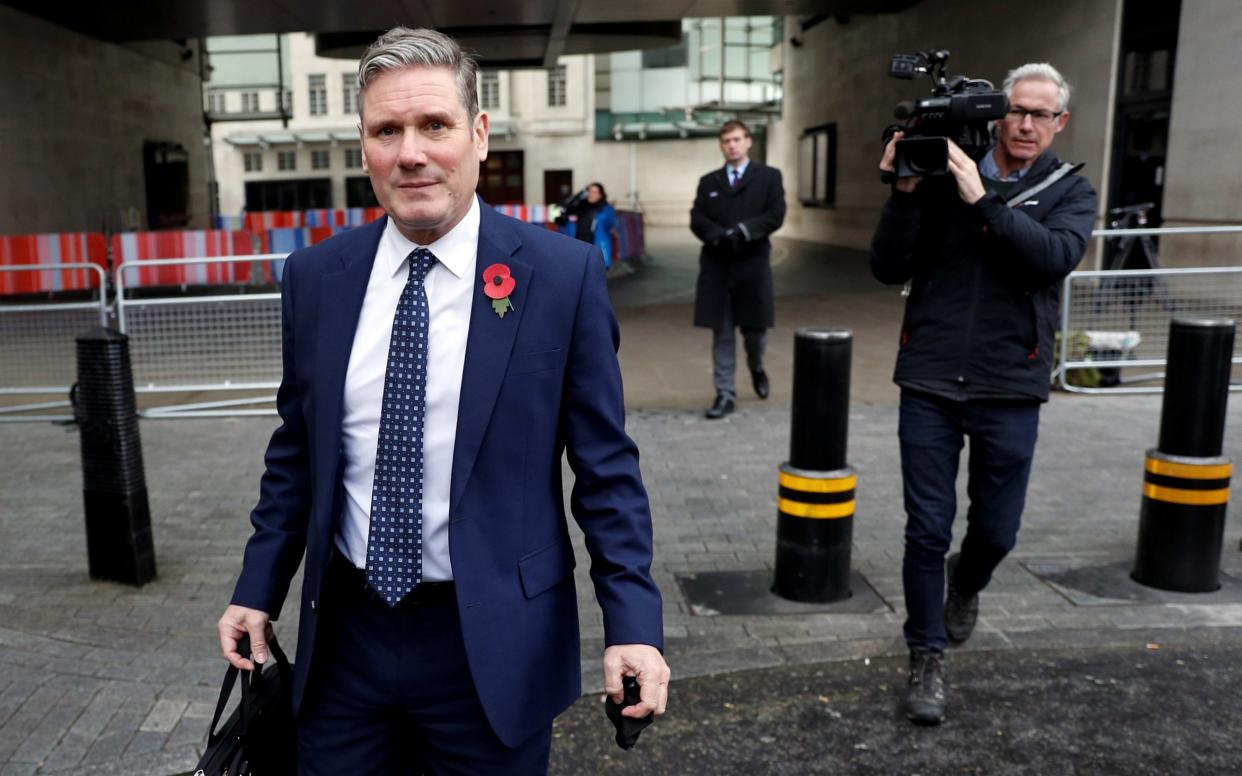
(450, 292)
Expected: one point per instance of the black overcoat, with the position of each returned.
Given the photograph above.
(739, 277)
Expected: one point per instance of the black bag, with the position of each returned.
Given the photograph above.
(258, 738)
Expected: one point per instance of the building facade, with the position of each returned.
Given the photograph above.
(284, 123)
(1149, 117)
(98, 136)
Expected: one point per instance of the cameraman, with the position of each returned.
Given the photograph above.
(983, 249)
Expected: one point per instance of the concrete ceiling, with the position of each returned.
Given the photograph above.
(505, 33)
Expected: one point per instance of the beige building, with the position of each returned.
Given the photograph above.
(544, 144)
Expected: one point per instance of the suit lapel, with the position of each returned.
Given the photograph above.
(488, 345)
(340, 303)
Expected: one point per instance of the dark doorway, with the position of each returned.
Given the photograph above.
(359, 193)
(501, 178)
(1144, 102)
(558, 186)
(289, 194)
(166, 168)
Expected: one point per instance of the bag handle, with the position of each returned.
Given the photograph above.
(230, 679)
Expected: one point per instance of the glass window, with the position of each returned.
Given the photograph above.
(250, 102)
(353, 158)
(349, 93)
(817, 166)
(556, 86)
(489, 89)
(253, 161)
(286, 160)
(318, 94)
(320, 160)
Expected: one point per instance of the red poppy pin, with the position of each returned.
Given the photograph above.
(498, 283)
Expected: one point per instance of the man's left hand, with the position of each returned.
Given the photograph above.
(644, 663)
(969, 184)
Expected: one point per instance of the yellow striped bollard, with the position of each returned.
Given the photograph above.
(1186, 478)
(815, 501)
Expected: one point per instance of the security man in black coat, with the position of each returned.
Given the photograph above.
(983, 250)
(735, 210)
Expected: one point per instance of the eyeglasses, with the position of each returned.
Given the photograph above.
(1044, 117)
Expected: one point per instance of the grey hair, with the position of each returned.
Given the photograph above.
(1039, 71)
(401, 48)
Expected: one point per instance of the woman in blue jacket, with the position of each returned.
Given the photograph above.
(596, 220)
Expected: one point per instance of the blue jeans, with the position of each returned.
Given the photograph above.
(932, 431)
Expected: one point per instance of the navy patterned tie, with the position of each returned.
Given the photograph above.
(395, 546)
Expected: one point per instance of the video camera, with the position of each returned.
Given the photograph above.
(960, 109)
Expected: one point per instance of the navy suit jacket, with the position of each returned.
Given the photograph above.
(541, 381)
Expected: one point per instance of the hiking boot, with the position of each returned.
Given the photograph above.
(960, 611)
(925, 697)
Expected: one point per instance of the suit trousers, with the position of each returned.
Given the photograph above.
(390, 692)
(932, 431)
(724, 353)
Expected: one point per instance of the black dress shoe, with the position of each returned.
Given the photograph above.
(760, 380)
(722, 406)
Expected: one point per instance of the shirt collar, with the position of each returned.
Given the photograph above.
(455, 250)
(741, 168)
(988, 168)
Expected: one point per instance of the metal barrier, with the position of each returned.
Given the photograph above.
(38, 342)
(1119, 319)
(225, 340)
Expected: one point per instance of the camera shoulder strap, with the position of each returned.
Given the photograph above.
(1065, 169)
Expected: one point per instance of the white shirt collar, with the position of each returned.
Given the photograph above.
(741, 168)
(455, 250)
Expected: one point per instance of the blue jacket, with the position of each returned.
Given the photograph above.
(605, 222)
(540, 381)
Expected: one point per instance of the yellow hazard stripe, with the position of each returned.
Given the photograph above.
(811, 485)
(1190, 471)
(1180, 496)
(817, 511)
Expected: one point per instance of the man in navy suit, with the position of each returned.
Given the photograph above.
(437, 364)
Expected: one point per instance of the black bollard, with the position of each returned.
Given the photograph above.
(118, 521)
(815, 508)
(1186, 482)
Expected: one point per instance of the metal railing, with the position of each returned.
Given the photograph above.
(38, 340)
(1115, 320)
(226, 340)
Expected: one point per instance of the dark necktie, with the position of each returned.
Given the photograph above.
(737, 175)
(395, 546)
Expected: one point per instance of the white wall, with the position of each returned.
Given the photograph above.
(75, 114)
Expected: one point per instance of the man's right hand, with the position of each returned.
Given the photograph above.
(888, 163)
(237, 622)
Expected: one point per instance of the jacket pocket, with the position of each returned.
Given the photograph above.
(538, 361)
(543, 569)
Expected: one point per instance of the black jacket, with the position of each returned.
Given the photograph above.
(737, 276)
(984, 278)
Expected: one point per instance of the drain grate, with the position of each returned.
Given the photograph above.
(712, 593)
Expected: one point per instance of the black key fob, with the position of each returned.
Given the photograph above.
(628, 728)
